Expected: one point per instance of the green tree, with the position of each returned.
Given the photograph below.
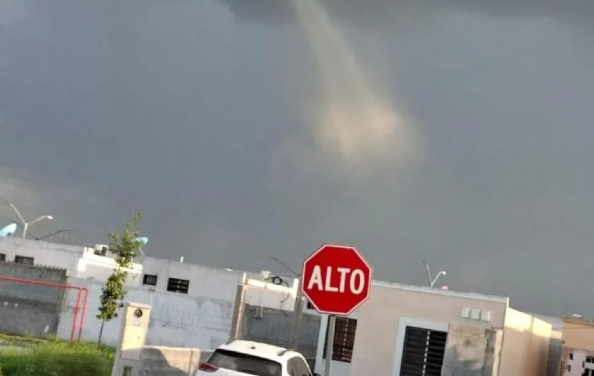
(125, 248)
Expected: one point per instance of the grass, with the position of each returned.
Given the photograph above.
(53, 357)
(15, 341)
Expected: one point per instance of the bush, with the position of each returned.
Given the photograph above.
(57, 358)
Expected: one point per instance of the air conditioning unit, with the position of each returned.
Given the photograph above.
(101, 249)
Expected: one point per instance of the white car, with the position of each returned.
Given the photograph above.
(247, 358)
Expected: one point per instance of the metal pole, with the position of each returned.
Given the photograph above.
(329, 344)
(25, 226)
(296, 323)
(428, 273)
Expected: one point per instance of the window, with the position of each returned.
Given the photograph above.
(23, 260)
(244, 363)
(178, 285)
(423, 352)
(2, 257)
(344, 339)
(570, 356)
(298, 367)
(149, 279)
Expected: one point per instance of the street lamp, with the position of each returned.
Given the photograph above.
(25, 223)
(431, 279)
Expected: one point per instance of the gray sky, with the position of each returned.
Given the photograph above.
(194, 112)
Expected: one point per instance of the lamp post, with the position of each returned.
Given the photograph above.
(431, 279)
(25, 223)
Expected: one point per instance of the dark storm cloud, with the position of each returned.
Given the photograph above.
(382, 13)
(192, 112)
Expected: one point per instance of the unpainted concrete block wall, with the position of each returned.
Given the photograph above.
(177, 320)
(472, 351)
(555, 355)
(28, 309)
(273, 326)
(159, 361)
(168, 361)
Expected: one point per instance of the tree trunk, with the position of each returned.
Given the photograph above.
(101, 332)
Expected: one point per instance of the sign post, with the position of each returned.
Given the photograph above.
(336, 280)
(329, 344)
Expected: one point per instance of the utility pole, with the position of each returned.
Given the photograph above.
(297, 319)
(239, 311)
(297, 308)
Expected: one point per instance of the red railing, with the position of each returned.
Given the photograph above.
(77, 323)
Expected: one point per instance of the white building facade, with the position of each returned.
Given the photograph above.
(193, 305)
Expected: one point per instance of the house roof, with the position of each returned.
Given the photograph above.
(438, 291)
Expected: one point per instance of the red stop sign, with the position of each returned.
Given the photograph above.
(336, 279)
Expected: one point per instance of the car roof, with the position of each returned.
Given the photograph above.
(262, 350)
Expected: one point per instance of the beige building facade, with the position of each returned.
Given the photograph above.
(578, 343)
(385, 330)
(578, 333)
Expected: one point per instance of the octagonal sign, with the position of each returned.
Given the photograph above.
(336, 279)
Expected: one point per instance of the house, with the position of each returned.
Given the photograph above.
(428, 331)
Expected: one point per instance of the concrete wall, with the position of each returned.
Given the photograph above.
(383, 319)
(176, 320)
(46, 254)
(555, 344)
(92, 266)
(204, 281)
(199, 320)
(27, 309)
(472, 351)
(80, 262)
(273, 326)
(525, 345)
(169, 361)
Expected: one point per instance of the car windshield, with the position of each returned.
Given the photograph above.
(245, 363)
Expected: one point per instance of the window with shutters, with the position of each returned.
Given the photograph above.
(178, 285)
(422, 353)
(23, 260)
(344, 339)
(149, 280)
